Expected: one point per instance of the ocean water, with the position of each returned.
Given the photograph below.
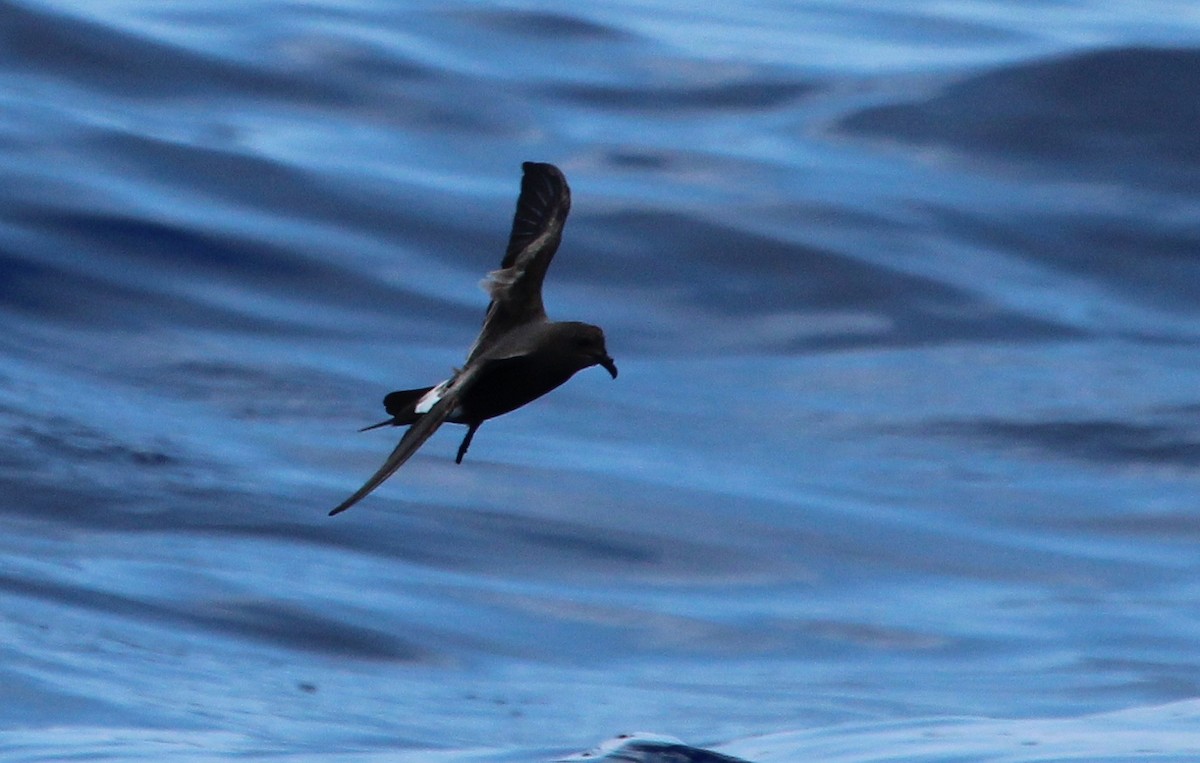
(902, 465)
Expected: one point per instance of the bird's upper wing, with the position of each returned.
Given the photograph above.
(415, 437)
(516, 288)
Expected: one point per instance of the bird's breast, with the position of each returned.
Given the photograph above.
(505, 386)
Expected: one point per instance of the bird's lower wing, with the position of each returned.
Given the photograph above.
(414, 438)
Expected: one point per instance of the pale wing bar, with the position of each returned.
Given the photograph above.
(516, 288)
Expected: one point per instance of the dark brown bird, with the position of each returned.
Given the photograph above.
(520, 354)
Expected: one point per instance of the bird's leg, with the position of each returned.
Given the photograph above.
(466, 443)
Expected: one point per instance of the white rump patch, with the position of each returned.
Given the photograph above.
(430, 398)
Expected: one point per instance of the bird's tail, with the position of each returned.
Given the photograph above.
(401, 404)
(383, 423)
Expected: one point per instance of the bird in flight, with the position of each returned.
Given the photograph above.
(520, 354)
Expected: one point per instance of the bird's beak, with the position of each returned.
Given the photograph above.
(609, 366)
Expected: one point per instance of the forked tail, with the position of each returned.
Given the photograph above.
(401, 404)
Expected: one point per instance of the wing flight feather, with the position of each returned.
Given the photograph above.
(420, 431)
(516, 288)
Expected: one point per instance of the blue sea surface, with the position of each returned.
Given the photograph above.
(903, 462)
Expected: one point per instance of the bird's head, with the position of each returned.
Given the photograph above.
(587, 344)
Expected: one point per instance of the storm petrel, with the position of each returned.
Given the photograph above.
(520, 354)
